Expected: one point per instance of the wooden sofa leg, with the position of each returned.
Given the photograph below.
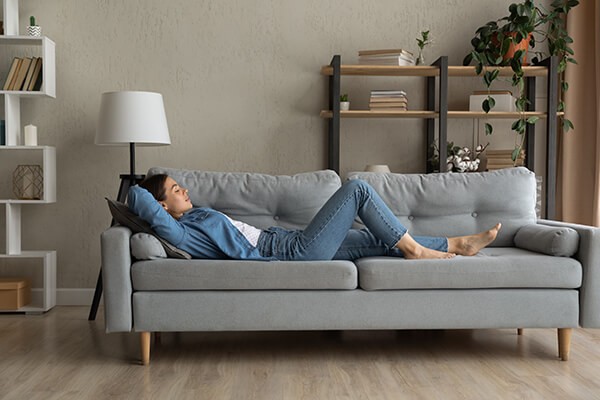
(564, 343)
(145, 345)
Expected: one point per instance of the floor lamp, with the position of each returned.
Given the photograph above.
(129, 118)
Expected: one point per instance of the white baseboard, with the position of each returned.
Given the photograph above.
(74, 297)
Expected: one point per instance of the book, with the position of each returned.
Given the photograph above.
(14, 78)
(400, 61)
(502, 153)
(11, 73)
(389, 109)
(36, 79)
(387, 105)
(400, 99)
(387, 93)
(385, 52)
(20, 78)
(29, 73)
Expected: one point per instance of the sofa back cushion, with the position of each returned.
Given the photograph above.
(258, 199)
(454, 204)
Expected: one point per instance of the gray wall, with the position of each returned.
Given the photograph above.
(242, 90)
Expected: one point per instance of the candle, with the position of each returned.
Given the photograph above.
(30, 135)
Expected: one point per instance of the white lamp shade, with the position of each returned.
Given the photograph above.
(132, 117)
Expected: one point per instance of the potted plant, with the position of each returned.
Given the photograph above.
(505, 43)
(33, 29)
(344, 102)
(423, 41)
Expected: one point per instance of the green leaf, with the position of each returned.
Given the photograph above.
(515, 153)
(532, 120)
(487, 78)
(478, 68)
(488, 129)
(561, 106)
(495, 74)
(565, 86)
(567, 124)
(519, 126)
(468, 58)
(486, 105)
(491, 101)
(521, 103)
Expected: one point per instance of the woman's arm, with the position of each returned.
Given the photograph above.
(142, 203)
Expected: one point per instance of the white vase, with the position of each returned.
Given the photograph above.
(344, 105)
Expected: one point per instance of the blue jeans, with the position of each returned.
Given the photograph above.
(330, 235)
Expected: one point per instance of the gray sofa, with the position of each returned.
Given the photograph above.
(536, 274)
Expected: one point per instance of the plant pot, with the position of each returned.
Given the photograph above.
(513, 47)
(34, 30)
(344, 105)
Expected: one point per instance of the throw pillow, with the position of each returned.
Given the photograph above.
(124, 216)
(554, 241)
(146, 247)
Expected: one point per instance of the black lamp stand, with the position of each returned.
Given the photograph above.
(127, 180)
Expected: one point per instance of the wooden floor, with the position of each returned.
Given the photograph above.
(60, 355)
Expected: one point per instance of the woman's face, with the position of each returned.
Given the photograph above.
(176, 200)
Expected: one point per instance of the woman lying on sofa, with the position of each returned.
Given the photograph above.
(207, 233)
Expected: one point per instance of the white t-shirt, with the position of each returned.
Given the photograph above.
(250, 232)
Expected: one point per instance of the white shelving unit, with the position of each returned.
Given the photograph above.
(14, 153)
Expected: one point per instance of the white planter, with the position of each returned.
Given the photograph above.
(344, 105)
(34, 30)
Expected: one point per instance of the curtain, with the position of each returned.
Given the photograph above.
(578, 193)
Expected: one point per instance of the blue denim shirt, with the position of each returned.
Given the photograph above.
(202, 232)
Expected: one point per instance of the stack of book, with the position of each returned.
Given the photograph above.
(388, 100)
(25, 74)
(386, 57)
(498, 159)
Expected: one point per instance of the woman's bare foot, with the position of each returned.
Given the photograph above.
(470, 245)
(413, 250)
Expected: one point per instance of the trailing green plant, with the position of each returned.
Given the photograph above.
(493, 41)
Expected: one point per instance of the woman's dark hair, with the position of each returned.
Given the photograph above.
(155, 184)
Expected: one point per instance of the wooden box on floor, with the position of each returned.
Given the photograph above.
(14, 293)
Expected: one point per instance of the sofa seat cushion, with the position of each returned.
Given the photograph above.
(498, 267)
(172, 274)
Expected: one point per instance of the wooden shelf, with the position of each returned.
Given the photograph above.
(21, 40)
(382, 70)
(381, 114)
(496, 114)
(432, 114)
(425, 70)
(28, 93)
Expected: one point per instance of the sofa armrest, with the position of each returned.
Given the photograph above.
(116, 279)
(588, 255)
